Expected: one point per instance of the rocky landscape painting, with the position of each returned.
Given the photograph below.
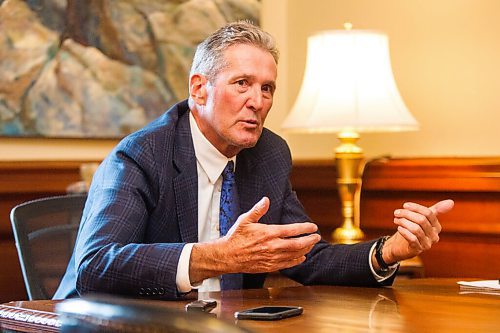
(100, 68)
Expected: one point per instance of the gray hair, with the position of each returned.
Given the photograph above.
(209, 57)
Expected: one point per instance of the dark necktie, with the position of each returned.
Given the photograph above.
(228, 213)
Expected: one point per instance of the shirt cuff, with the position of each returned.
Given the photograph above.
(182, 276)
(377, 276)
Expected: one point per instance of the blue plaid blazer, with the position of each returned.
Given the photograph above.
(142, 209)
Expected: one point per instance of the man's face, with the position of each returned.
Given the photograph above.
(238, 99)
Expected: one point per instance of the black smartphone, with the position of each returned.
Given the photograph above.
(269, 312)
(201, 305)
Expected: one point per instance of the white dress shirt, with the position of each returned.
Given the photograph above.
(209, 164)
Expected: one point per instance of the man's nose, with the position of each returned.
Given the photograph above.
(255, 99)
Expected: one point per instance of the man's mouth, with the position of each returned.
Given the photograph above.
(250, 122)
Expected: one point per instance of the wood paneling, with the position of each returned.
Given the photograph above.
(20, 182)
(11, 281)
(470, 242)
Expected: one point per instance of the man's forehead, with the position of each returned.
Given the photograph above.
(243, 49)
(250, 60)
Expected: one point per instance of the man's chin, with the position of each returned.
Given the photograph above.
(248, 140)
(249, 144)
(245, 144)
(244, 139)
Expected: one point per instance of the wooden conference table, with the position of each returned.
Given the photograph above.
(420, 305)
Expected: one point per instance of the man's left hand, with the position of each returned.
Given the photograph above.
(418, 230)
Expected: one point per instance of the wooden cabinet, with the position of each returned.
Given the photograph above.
(470, 240)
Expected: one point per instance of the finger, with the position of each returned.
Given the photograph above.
(301, 244)
(280, 257)
(293, 262)
(273, 257)
(424, 218)
(425, 241)
(293, 229)
(284, 264)
(443, 206)
(425, 238)
(302, 252)
(286, 249)
(410, 238)
(427, 214)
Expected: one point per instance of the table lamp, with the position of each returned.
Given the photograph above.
(348, 87)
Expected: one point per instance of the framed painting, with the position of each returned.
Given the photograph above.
(100, 68)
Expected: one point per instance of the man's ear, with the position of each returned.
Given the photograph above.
(198, 89)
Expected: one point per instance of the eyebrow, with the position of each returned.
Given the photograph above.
(272, 83)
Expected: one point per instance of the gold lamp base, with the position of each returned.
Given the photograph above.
(349, 163)
(347, 235)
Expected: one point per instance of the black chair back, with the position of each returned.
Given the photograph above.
(45, 231)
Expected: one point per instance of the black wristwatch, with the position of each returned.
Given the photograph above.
(384, 267)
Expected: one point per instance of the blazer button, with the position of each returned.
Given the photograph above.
(161, 291)
(141, 291)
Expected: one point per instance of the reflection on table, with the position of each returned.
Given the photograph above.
(420, 305)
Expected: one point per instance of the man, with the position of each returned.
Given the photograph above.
(158, 210)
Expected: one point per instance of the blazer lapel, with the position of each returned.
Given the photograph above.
(186, 181)
(248, 180)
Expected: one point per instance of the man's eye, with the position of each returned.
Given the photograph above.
(267, 89)
(242, 82)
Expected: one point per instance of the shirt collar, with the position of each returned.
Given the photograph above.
(210, 159)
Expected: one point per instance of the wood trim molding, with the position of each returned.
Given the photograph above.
(38, 176)
(423, 174)
(420, 174)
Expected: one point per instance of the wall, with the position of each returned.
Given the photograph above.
(17, 149)
(445, 59)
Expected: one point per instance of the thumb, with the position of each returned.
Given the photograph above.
(258, 210)
(443, 206)
(253, 215)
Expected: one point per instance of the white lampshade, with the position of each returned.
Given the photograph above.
(348, 85)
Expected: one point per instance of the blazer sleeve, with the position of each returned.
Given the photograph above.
(112, 252)
(330, 264)
(327, 264)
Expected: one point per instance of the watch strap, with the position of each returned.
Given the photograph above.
(384, 267)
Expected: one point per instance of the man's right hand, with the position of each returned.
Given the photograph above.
(252, 247)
